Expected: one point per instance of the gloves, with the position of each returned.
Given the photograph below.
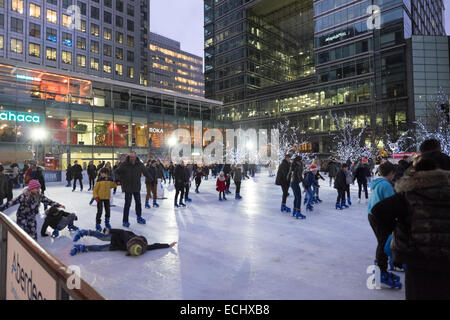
(97, 199)
(118, 183)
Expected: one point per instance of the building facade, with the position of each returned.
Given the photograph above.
(174, 69)
(307, 60)
(109, 39)
(59, 117)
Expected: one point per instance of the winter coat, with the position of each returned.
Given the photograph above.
(283, 177)
(52, 220)
(28, 209)
(297, 173)
(237, 174)
(3, 186)
(152, 172)
(221, 184)
(77, 171)
(119, 239)
(69, 175)
(381, 189)
(309, 180)
(361, 173)
(187, 175)
(198, 176)
(130, 175)
(102, 188)
(36, 174)
(179, 176)
(160, 172)
(171, 169)
(419, 215)
(340, 183)
(348, 177)
(332, 169)
(92, 171)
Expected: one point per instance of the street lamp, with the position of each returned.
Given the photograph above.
(172, 141)
(37, 136)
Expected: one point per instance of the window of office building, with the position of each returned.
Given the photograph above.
(130, 25)
(94, 46)
(51, 34)
(2, 3)
(107, 50)
(119, 37)
(35, 30)
(119, 5)
(52, 16)
(82, 7)
(81, 61)
(2, 21)
(16, 25)
(95, 13)
(66, 3)
(34, 50)
(81, 43)
(107, 3)
(130, 72)
(130, 41)
(119, 53)
(35, 10)
(94, 63)
(107, 34)
(119, 21)
(67, 39)
(107, 17)
(1, 42)
(66, 57)
(82, 26)
(95, 29)
(16, 45)
(119, 69)
(53, 2)
(50, 54)
(130, 56)
(130, 10)
(17, 6)
(107, 66)
(66, 20)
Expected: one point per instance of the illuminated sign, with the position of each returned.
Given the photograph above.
(336, 36)
(19, 117)
(155, 130)
(25, 77)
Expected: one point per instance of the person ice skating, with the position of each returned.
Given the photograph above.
(129, 174)
(348, 182)
(340, 184)
(92, 174)
(171, 172)
(433, 148)
(119, 240)
(58, 220)
(309, 182)
(69, 175)
(3, 185)
(221, 185)
(362, 174)
(283, 180)
(418, 216)
(237, 178)
(151, 183)
(29, 202)
(382, 187)
(296, 179)
(102, 194)
(316, 185)
(332, 170)
(77, 172)
(227, 172)
(198, 178)
(179, 181)
(188, 169)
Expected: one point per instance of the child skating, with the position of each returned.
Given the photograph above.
(58, 220)
(119, 240)
(102, 194)
(198, 175)
(221, 185)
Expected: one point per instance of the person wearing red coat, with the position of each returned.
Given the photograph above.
(221, 186)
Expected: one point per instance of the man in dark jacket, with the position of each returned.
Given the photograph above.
(362, 173)
(92, 174)
(179, 181)
(418, 214)
(402, 166)
(58, 220)
(283, 179)
(120, 240)
(340, 184)
(77, 174)
(187, 182)
(227, 172)
(332, 170)
(129, 174)
(151, 184)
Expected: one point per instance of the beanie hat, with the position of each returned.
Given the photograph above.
(136, 246)
(313, 167)
(364, 160)
(33, 184)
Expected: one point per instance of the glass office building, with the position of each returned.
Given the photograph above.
(303, 59)
(88, 118)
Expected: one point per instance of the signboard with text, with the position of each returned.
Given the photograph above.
(25, 278)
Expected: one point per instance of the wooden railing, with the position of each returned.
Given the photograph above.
(50, 267)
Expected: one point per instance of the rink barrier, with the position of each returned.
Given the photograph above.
(28, 271)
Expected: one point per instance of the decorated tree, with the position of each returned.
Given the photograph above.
(436, 124)
(404, 143)
(290, 138)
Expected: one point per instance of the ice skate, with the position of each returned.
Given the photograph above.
(299, 215)
(309, 207)
(107, 225)
(140, 220)
(77, 248)
(343, 205)
(147, 205)
(391, 280)
(55, 233)
(98, 227)
(72, 227)
(126, 224)
(79, 235)
(155, 205)
(182, 204)
(188, 200)
(338, 206)
(349, 202)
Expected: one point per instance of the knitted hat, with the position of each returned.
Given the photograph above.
(364, 160)
(136, 246)
(313, 167)
(33, 184)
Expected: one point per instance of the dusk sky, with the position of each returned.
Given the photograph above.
(182, 20)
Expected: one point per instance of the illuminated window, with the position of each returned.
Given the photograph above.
(94, 46)
(16, 45)
(107, 34)
(66, 21)
(119, 69)
(17, 6)
(51, 34)
(51, 16)
(107, 50)
(1, 42)
(119, 53)
(35, 10)
(81, 61)
(81, 43)
(130, 72)
(50, 54)
(94, 64)
(94, 30)
(67, 39)
(119, 37)
(107, 66)
(34, 50)
(82, 26)
(130, 41)
(66, 57)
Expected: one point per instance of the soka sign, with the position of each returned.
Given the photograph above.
(25, 278)
(19, 117)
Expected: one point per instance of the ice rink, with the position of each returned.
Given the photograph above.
(235, 249)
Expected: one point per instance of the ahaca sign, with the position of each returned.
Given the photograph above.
(19, 117)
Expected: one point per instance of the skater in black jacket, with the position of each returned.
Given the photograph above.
(340, 184)
(198, 175)
(92, 174)
(179, 181)
(362, 174)
(77, 173)
(283, 179)
(58, 220)
(119, 240)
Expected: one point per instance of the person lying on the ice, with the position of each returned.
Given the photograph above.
(58, 220)
(120, 240)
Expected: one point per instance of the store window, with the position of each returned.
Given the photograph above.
(81, 128)
(121, 131)
(140, 129)
(103, 129)
(57, 124)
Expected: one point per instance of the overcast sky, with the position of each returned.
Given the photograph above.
(182, 20)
